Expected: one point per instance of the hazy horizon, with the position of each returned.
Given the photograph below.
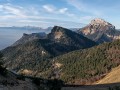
(7, 39)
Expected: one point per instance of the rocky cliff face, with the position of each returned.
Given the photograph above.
(100, 31)
(67, 37)
(97, 25)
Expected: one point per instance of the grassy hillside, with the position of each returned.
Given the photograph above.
(112, 77)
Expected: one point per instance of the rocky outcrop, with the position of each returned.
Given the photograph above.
(99, 28)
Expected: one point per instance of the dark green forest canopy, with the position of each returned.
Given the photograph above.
(89, 64)
(34, 54)
(82, 66)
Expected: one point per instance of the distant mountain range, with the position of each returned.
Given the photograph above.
(30, 28)
(100, 31)
(29, 37)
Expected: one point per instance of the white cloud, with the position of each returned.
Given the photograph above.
(17, 15)
(49, 8)
(54, 10)
(9, 17)
(9, 9)
(63, 10)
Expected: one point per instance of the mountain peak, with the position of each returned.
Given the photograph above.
(56, 32)
(101, 25)
(99, 21)
(100, 31)
(57, 28)
(97, 25)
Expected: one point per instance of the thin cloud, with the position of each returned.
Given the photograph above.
(49, 8)
(83, 7)
(54, 10)
(33, 21)
(9, 9)
(63, 10)
(18, 15)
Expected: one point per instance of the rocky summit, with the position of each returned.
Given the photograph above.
(100, 31)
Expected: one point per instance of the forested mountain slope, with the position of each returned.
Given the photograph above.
(33, 54)
(89, 65)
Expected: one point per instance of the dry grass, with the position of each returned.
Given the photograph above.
(110, 80)
(112, 77)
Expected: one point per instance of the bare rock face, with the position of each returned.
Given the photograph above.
(100, 31)
(56, 34)
(97, 25)
(99, 21)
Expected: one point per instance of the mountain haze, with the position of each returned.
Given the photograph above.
(29, 37)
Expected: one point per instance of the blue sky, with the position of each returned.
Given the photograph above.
(67, 13)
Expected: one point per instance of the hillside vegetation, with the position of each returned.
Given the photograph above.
(33, 54)
(88, 65)
(64, 55)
